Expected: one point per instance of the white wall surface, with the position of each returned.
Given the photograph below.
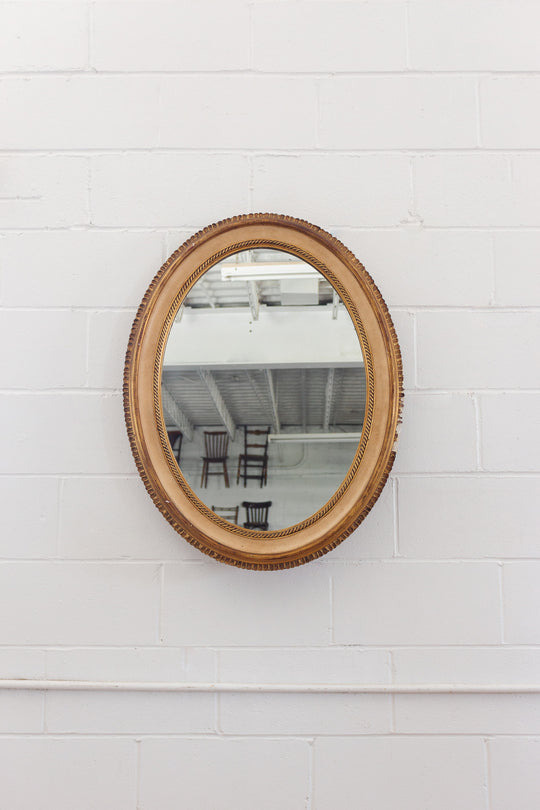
(410, 130)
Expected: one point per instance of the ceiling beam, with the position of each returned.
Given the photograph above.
(335, 305)
(273, 400)
(174, 414)
(303, 400)
(262, 398)
(210, 382)
(328, 398)
(309, 337)
(315, 437)
(253, 296)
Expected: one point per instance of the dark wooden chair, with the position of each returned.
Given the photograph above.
(229, 513)
(256, 514)
(253, 462)
(216, 448)
(175, 440)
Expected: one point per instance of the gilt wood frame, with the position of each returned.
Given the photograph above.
(374, 457)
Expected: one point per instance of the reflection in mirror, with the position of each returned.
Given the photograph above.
(263, 389)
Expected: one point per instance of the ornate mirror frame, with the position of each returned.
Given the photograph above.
(374, 457)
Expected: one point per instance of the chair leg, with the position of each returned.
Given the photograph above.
(226, 474)
(238, 470)
(204, 469)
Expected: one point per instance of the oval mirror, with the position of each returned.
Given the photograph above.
(262, 391)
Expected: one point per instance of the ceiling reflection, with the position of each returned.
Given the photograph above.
(263, 389)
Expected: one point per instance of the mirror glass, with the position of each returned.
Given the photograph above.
(263, 389)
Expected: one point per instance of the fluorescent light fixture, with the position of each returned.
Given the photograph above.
(267, 271)
(315, 437)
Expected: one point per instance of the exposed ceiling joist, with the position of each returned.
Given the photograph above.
(253, 296)
(303, 401)
(320, 438)
(249, 402)
(328, 398)
(174, 414)
(219, 402)
(273, 400)
(335, 305)
(261, 395)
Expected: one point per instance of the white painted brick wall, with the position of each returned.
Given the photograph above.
(69, 771)
(398, 112)
(410, 129)
(513, 760)
(43, 36)
(453, 36)
(156, 189)
(43, 191)
(478, 350)
(370, 189)
(225, 771)
(386, 772)
(482, 189)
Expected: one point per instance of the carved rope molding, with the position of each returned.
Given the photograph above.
(366, 349)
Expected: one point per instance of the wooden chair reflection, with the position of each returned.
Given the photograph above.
(253, 462)
(256, 514)
(229, 513)
(175, 440)
(216, 448)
